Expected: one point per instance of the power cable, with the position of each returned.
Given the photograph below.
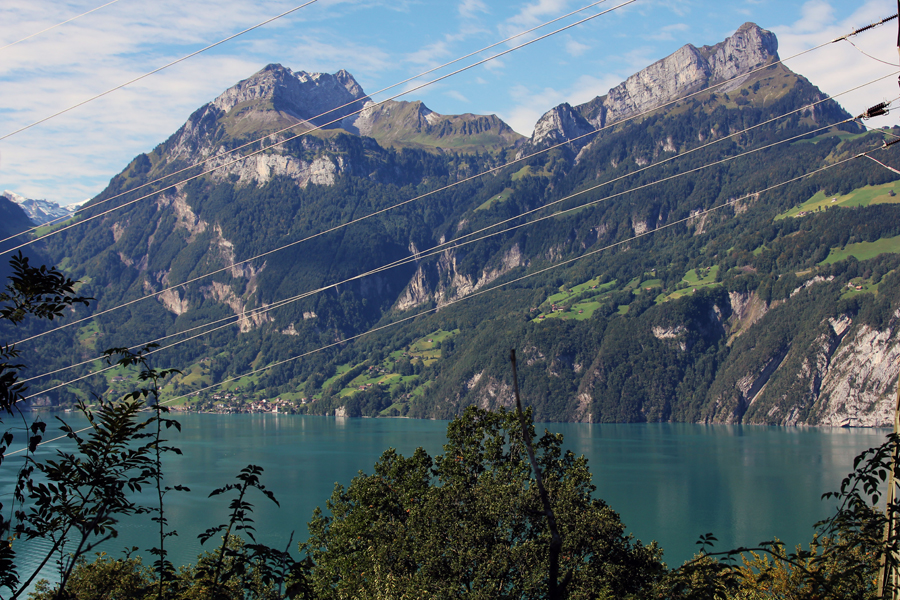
(174, 62)
(875, 58)
(499, 286)
(28, 37)
(316, 128)
(453, 244)
(100, 313)
(892, 169)
(266, 148)
(866, 28)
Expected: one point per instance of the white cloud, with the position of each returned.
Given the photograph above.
(468, 9)
(73, 156)
(429, 56)
(533, 14)
(576, 48)
(667, 33)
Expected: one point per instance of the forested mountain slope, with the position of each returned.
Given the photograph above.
(659, 269)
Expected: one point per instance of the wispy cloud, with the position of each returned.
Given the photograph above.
(469, 9)
(667, 33)
(72, 63)
(576, 48)
(457, 96)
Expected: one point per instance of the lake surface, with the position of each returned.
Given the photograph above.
(669, 482)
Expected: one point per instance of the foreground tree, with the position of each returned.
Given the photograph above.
(470, 523)
(42, 293)
(841, 562)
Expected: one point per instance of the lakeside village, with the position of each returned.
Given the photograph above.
(236, 403)
(228, 403)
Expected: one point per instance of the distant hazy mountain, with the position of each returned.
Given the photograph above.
(41, 211)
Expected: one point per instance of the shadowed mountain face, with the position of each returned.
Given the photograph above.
(679, 292)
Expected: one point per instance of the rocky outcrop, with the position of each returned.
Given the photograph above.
(746, 309)
(247, 319)
(559, 125)
(444, 283)
(688, 70)
(271, 100)
(262, 168)
(858, 385)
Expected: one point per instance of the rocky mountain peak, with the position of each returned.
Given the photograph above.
(749, 47)
(301, 94)
(687, 70)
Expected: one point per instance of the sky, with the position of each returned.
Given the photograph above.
(72, 157)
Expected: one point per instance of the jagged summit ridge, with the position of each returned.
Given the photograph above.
(301, 94)
(277, 100)
(686, 71)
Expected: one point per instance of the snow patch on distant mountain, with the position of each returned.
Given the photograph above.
(42, 211)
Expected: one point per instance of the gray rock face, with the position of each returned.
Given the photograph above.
(684, 72)
(560, 124)
(689, 70)
(275, 98)
(301, 94)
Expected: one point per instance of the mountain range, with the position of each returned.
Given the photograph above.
(40, 212)
(655, 252)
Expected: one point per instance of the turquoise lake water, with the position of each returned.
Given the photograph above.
(669, 482)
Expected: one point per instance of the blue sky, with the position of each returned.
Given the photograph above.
(72, 157)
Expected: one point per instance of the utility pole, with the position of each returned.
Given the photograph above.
(888, 576)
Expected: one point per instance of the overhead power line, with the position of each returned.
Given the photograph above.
(315, 128)
(866, 28)
(382, 211)
(154, 71)
(478, 293)
(458, 242)
(319, 127)
(28, 37)
(284, 141)
(875, 58)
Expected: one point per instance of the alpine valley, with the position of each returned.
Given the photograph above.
(663, 268)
